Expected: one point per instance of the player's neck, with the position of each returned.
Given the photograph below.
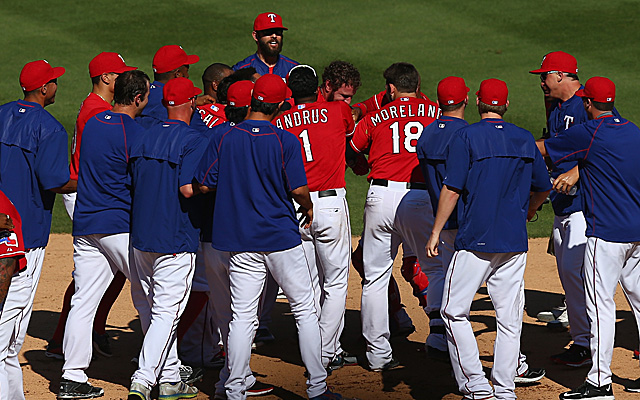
(36, 98)
(305, 100)
(490, 115)
(570, 90)
(129, 109)
(258, 116)
(271, 61)
(459, 113)
(399, 95)
(103, 92)
(180, 113)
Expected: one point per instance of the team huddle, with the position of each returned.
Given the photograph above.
(212, 201)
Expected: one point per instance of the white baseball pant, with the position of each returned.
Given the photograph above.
(217, 267)
(606, 264)
(165, 282)
(247, 275)
(327, 247)
(16, 314)
(504, 275)
(393, 214)
(200, 343)
(97, 259)
(69, 201)
(569, 240)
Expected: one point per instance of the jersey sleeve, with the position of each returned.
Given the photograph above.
(292, 161)
(368, 105)
(361, 140)
(191, 157)
(458, 163)
(570, 145)
(347, 118)
(206, 173)
(52, 162)
(540, 176)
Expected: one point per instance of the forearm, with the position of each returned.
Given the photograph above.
(447, 203)
(7, 268)
(69, 187)
(541, 147)
(536, 200)
(301, 196)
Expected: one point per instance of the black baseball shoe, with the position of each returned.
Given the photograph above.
(633, 386)
(574, 356)
(391, 365)
(589, 391)
(76, 390)
(529, 376)
(342, 360)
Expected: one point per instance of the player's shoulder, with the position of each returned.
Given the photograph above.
(288, 60)
(244, 63)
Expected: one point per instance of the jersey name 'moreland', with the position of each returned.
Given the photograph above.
(404, 111)
(303, 117)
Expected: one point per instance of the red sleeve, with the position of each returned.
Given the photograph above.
(370, 104)
(361, 140)
(347, 118)
(88, 109)
(11, 242)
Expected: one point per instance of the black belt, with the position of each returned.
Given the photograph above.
(410, 185)
(327, 193)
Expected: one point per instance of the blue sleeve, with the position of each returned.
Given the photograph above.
(207, 171)
(458, 163)
(540, 181)
(197, 124)
(52, 161)
(292, 158)
(191, 157)
(570, 145)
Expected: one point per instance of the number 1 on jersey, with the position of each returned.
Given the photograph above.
(306, 145)
(412, 131)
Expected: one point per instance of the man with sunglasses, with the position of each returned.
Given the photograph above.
(35, 166)
(268, 35)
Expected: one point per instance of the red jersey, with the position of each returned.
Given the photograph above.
(212, 114)
(377, 101)
(11, 243)
(392, 133)
(91, 106)
(322, 128)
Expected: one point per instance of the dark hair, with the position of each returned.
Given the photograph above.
(96, 79)
(128, 85)
(403, 76)
(214, 73)
(244, 74)
(340, 73)
(573, 76)
(262, 107)
(602, 106)
(303, 82)
(486, 108)
(235, 114)
(451, 107)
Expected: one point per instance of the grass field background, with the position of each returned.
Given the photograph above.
(475, 40)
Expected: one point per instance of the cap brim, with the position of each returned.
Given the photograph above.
(124, 69)
(192, 59)
(540, 71)
(58, 72)
(581, 93)
(197, 91)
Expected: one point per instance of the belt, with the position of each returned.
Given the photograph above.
(327, 193)
(410, 185)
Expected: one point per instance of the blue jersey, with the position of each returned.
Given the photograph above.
(103, 204)
(432, 152)
(33, 159)
(158, 111)
(496, 165)
(254, 166)
(282, 67)
(162, 160)
(606, 150)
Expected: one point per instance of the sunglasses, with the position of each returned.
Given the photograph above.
(543, 76)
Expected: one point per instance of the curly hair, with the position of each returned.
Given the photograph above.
(340, 73)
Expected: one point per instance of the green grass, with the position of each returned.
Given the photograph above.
(475, 40)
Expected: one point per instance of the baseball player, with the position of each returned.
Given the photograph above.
(340, 82)
(163, 160)
(492, 166)
(322, 128)
(268, 162)
(12, 259)
(32, 172)
(103, 70)
(558, 76)
(605, 149)
(397, 207)
(268, 35)
(213, 114)
(101, 223)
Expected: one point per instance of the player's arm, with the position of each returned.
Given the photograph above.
(297, 177)
(69, 187)
(448, 199)
(540, 186)
(193, 154)
(565, 182)
(302, 197)
(359, 141)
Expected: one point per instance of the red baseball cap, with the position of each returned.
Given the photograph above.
(36, 73)
(599, 89)
(107, 62)
(171, 57)
(557, 61)
(268, 20)
(493, 92)
(452, 90)
(179, 91)
(239, 94)
(271, 88)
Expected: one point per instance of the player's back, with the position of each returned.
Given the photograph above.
(392, 134)
(322, 129)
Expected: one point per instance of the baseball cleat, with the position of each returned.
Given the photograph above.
(342, 360)
(636, 354)
(139, 391)
(551, 315)
(327, 395)
(589, 391)
(263, 336)
(77, 390)
(259, 389)
(175, 391)
(190, 375)
(438, 355)
(575, 356)
(529, 376)
(391, 365)
(634, 386)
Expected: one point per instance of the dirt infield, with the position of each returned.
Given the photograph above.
(279, 363)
